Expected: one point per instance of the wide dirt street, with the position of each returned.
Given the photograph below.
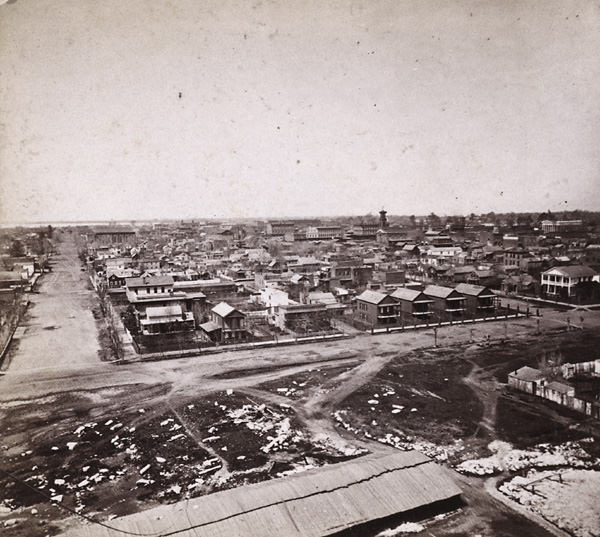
(60, 330)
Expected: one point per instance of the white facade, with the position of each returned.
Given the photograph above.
(559, 279)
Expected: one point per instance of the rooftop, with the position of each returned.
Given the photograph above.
(473, 290)
(438, 291)
(572, 271)
(528, 374)
(146, 281)
(411, 295)
(308, 504)
(372, 297)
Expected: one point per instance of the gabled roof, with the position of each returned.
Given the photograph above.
(222, 309)
(373, 297)
(473, 290)
(412, 295)
(296, 278)
(528, 374)
(438, 291)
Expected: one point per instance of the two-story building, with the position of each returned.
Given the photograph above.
(375, 308)
(412, 304)
(561, 282)
(447, 302)
(226, 324)
(479, 300)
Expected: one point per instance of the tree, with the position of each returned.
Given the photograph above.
(17, 249)
(49, 231)
(434, 219)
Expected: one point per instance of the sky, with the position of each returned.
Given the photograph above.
(224, 109)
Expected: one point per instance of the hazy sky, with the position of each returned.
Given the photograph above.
(296, 108)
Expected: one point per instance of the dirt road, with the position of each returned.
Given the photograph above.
(60, 330)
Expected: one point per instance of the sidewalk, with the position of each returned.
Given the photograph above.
(189, 353)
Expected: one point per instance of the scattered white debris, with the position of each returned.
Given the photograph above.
(210, 469)
(373, 401)
(540, 456)
(108, 422)
(413, 410)
(83, 483)
(175, 488)
(406, 527)
(71, 445)
(241, 457)
(54, 448)
(229, 392)
(166, 422)
(59, 481)
(144, 469)
(160, 459)
(57, 498)
(141, 411)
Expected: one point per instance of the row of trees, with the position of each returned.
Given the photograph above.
(113, 335)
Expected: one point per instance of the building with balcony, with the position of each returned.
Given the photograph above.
(479, 300)
(376, 309)
(561, 282)
(447, 302)
(412, 304)
(166, 320)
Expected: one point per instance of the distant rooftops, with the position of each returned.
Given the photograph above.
(100, 230)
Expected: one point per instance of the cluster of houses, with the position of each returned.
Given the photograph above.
(232, 281)
(24, 256)
(576, 386)
(432, 303)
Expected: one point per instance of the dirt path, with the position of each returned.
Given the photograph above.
(485, 387)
